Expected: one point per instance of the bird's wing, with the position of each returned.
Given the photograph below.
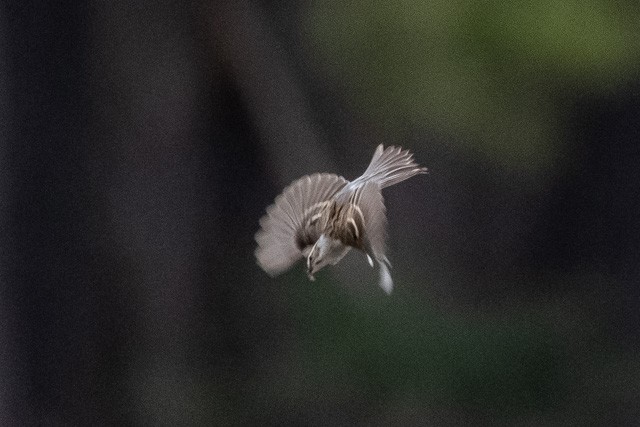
(370, 201)
(288, 226)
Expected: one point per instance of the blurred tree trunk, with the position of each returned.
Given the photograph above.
(153, 114)
(9, 374)
(71, 321)
(606, 208)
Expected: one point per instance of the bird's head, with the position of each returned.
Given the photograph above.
(320, 254)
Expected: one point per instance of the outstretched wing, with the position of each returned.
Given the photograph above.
(288, 227)
(370, 201)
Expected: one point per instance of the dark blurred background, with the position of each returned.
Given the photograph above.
(141, 141)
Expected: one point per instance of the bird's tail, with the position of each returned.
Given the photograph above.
(390, 166)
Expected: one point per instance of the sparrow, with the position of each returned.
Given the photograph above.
(321, 217)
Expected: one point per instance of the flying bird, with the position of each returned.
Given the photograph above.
(322, 216)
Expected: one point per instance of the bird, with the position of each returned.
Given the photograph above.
(322, 216)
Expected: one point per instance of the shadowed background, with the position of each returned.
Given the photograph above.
(141, 141)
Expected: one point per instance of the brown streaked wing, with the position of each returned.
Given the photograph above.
(284, 227)
(369, 199)
(312, 226)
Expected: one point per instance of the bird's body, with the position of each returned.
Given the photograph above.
(323, 216)
(340, 221)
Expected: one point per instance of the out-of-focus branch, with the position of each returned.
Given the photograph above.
(245, 44)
